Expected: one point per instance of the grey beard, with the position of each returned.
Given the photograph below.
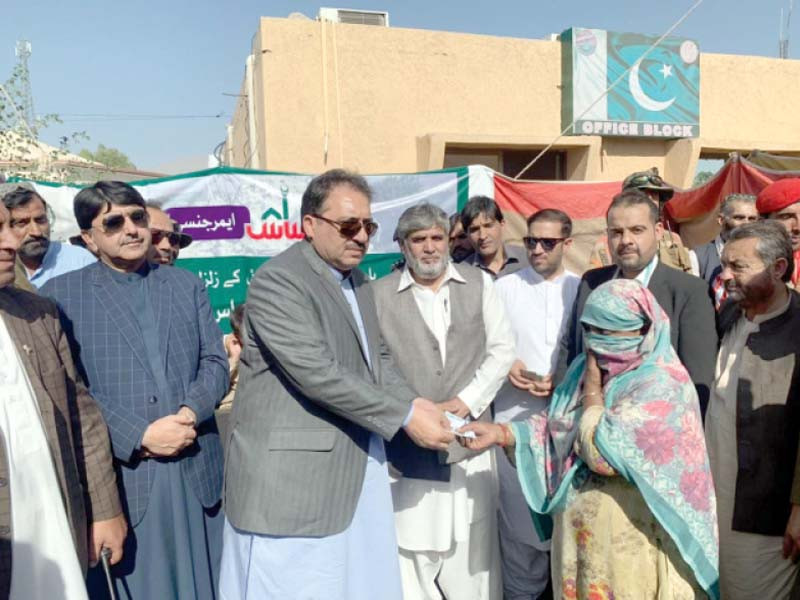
(427, 271)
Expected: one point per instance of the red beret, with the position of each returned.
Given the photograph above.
(778, 195)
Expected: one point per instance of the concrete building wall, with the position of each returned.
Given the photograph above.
(238, 141)
(382, 100)
(749, 102)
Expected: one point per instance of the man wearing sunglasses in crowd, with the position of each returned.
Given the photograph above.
(538, 300)
(167, 239)
(147, 345)
(42, 258)
(308, 506)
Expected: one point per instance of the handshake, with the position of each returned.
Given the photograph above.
(430, 427)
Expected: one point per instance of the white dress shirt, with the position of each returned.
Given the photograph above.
(434, 306)
(432, 515)
(645, 274)
(538, 310)
(44, 562)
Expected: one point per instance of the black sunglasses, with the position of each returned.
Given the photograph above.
(547, 243)
(113, 223)
(350, 228)
(160, 234)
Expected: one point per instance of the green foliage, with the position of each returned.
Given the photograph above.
(110, 157)
(702, 177)
(21, 152)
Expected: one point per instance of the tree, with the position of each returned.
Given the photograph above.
(702, 177)
(110, 157)
(21, 152)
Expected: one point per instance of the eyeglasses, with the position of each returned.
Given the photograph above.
(160, 234)
(350, 228)
(547, 243)
(114, 223)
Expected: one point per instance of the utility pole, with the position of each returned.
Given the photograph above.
(23, 52)
(783, 32)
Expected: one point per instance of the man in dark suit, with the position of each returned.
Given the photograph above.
(307, 499)
(152, 355)
(735, 210)
(633, 233)
(59, 504)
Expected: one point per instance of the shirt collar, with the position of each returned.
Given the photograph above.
(132, 276)
(532, 277)
(48, 257)
(475, 259)
(407, 280)
(645, 274)
(772, 314)
(718, 244)
(338, 275)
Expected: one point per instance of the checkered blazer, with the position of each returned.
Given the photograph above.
(110, 352)
(73, 425)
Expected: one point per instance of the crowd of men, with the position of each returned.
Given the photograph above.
(344, 478)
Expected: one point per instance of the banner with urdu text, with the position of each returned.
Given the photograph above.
(238, 219)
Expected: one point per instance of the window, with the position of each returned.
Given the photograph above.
(551, 166)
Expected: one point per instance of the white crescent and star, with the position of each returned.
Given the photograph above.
(643, 99)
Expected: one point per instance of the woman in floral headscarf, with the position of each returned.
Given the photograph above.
(619, 461)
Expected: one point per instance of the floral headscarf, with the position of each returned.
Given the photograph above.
(650, 433)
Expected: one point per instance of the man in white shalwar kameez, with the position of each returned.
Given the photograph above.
(446, 330)
(753, 420)
(538, 301)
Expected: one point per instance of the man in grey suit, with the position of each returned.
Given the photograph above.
(633, 233)
(308, 505)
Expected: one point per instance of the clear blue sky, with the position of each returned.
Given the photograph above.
(176, 57)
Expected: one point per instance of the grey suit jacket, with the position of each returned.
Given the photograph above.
(307, 400)
(688, 305)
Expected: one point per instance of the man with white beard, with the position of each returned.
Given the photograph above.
(445, 502)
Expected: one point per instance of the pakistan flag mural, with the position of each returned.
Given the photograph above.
(658, 95)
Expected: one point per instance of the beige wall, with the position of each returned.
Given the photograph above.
(385, 100)
(239, 140)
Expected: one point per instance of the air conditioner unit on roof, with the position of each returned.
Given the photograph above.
(354, 17)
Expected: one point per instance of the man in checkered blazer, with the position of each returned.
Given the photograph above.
(152, 355)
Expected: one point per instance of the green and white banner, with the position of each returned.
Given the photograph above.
(240, 218)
